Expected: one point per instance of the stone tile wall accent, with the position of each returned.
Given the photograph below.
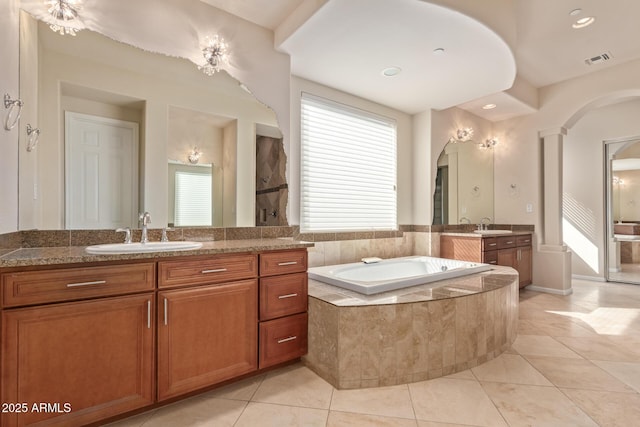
(381, 345)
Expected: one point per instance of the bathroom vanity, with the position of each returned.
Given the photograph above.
(509, 250)
(93, 337)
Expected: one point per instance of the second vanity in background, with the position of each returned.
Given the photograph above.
(510, 250)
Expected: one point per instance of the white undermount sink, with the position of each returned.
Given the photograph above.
(492, 232)
(131, 248)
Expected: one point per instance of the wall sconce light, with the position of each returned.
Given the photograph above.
(65, 16)
(617, 180)
(462, 135)
(194, 156)
(215, 53)
(488, 143)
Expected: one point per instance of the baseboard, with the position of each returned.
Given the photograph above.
(563, 292)
(588, 278)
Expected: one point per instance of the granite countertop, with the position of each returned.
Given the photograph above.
(76, 254)
(497, 277)
(478, 235)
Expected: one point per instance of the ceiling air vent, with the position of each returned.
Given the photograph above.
(599, 58)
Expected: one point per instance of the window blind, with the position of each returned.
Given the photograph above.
(348, 168)
(193, 198)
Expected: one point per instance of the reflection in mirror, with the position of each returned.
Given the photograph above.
(464, 184)
(271, 185)
(165, 96)
(623, 224)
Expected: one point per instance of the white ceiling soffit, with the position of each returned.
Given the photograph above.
(507, 107)
(549, 50)
(625, 165)
(269, 15)
(347, 44)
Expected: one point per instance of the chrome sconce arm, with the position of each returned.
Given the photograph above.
(11, 121)
(34, 135)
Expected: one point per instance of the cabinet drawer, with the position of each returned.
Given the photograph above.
(506, 242)
(489, 244)
(43, 286)
(283, 262)
(490, 257)
(523, 240)
(283, 339)
(283, 295)
(208, 270)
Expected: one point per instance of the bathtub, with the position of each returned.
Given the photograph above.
(394, 273)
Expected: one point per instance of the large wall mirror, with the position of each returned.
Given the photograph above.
(464, 184)
(116, 120)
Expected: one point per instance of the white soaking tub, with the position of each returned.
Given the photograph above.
(393, 273)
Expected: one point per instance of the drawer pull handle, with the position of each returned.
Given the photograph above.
(493, 262)
(510, 242)
(96, 282)
(165, 312)
(216, 270)
(149, 314)
(492, 244)
(283, 340)
(287, 263)
(527, 241)
(287, 296)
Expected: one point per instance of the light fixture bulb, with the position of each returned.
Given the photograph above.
(194, 156)
(215, 53)
(464, 134)
(584, 22)
(489, 106)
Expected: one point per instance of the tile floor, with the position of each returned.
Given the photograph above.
(576, 362)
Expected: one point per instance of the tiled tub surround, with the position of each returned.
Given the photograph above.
(413, 334)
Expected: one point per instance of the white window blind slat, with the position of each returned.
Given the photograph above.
(348, 166)
(193, 199)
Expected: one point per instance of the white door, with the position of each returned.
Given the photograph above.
(101, 172)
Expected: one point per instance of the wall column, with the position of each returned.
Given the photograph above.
(553, 259)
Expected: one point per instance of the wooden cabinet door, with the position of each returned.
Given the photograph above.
(96, 356)
(524, 266)
(507, 257)
(206, 335)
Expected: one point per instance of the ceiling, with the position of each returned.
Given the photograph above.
(345, 44)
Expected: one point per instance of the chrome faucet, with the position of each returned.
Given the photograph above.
(465, 220)
(145, 218)
(127, 235)
(483, 225)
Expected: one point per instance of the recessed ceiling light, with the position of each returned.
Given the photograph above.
(438, 51)
(575, 12)
(489, 106)
(391, 71)
(584, 22)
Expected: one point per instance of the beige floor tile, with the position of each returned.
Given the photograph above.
(454, 401)
(608, 408)
(242, 390)
(627, 372)
(393, 401)
(560, 328)
(198, 411)
(599, 348)
(463, 375)
(527, 405)
(349, 419)
(535, 345)
(509, 368)
(576, 374)
(268, 415)
(437, 424)
(135, 421)
(294, 386)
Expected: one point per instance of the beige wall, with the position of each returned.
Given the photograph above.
(9, 139)
(584, 207)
